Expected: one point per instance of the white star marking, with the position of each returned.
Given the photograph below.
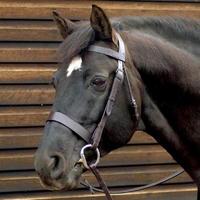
(74, 65)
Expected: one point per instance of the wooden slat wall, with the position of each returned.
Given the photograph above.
(79, 9)
(28, 41)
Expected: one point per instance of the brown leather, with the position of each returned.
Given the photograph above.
(101, 182)
(134, 189)
(96, 137)
(70, 123)
(118, 80)
(108, 52)
(132, 99)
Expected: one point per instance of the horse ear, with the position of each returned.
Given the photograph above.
(100, 23)
(65, 27)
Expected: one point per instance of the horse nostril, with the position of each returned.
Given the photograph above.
(56, 166)
(53, 164)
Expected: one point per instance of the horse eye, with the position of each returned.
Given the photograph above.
(99, 83)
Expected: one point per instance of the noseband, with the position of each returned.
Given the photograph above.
(93, 139)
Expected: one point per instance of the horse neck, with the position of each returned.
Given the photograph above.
(164, 64)
(171, 78)
(171, 100)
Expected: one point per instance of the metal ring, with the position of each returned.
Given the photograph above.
(82, 154)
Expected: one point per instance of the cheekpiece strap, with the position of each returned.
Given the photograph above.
(117, 82)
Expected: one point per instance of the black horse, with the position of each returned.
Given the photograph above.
(163, 65)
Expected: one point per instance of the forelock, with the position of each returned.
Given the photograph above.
(75, 43)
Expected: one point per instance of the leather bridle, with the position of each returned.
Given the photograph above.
(93, 139)
(121, 72)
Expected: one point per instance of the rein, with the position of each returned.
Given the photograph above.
(94, 139)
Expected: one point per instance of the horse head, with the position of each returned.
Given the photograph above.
(83, 83)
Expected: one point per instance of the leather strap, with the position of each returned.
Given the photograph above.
(108, 52)
(134, 189)
(101, 182)
(118, 80)
(132, 99)
(70, 123)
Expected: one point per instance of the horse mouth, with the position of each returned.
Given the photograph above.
(68, 181)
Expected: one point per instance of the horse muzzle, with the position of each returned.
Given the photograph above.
(53, 174)
(56, 158)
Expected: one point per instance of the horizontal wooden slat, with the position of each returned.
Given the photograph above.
(26, 73)
(128, 155)
(32, 30)
(23, 116)
(16, 30)
(140, 137)
(13, 138)
(21, 120)
(118, 176)
(27, 94)
(136, 155)
(173, 1)
(28, 52)
(172, 192)
(81, 9)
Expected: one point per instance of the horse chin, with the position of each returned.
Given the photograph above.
(66, 181)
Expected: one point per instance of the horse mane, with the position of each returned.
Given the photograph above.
(180, 32)
(75, 43)
(165, 27)
(173, 25)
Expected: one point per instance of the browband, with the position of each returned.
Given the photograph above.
(108, 52)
